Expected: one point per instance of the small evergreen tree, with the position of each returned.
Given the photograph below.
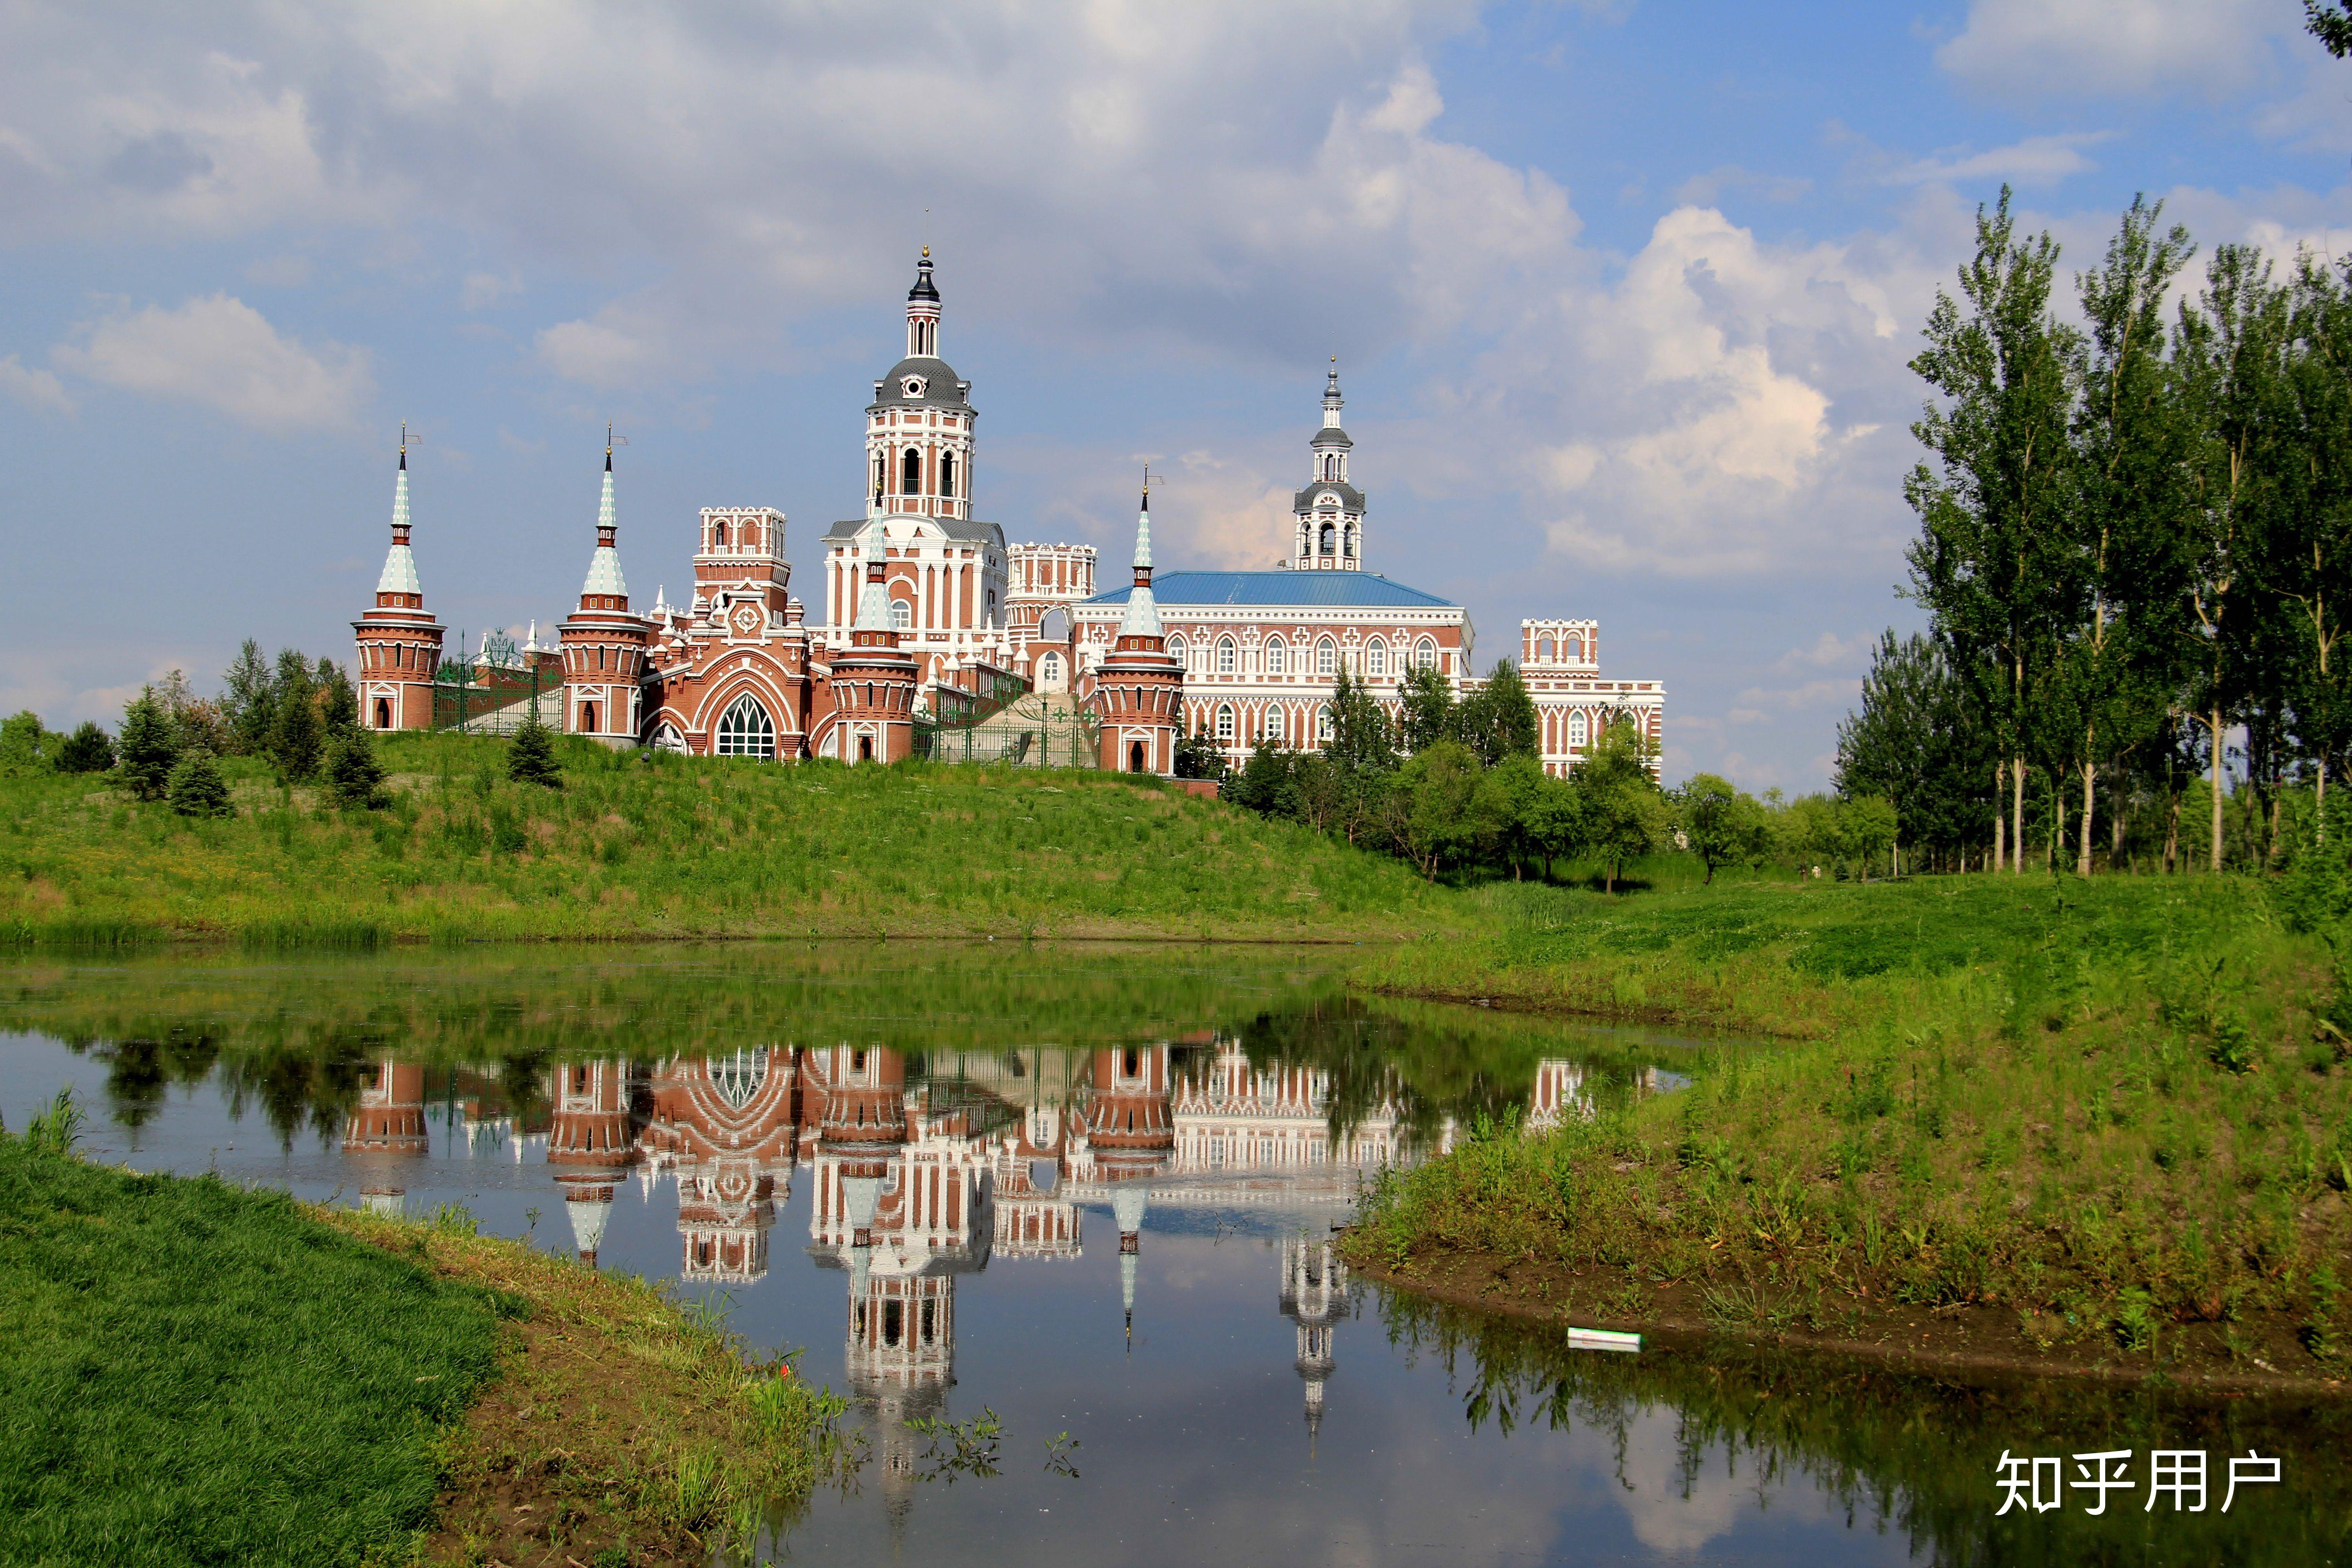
(196, 787)
(88, 750)
(296, 744)
(339, 705)
(249, 701)
(532, 759)
(149, 747)
(355, 777)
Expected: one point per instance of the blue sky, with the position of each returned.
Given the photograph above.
(1623, 293)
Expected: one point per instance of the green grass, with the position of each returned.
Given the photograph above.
(202, 1375)
(2039, 1093)
(652, 844)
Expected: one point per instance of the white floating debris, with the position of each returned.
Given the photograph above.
(1604, 1340)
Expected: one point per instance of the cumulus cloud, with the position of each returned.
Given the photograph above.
(2122, 48)
(222, 354)
(34, 388)
(2034, 161)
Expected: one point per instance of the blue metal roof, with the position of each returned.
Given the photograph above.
(1318, 590)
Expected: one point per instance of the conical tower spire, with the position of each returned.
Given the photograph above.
(1143, 619)
(604, 579)
(874, 602)
(399, 565)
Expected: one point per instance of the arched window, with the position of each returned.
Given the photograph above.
(746, 731)
(1226, 723)
(1055, 627)
(1277, 656)
(902, 617)
(1543, 650)
(881, 476)
(910, 473)
(1426, 656)
(1329, 537)
(1350, 545)
(1050, 668)
(947, 473)
(667, 739)
(1575, 731)
(1178, 652)
(1376, 658)
(1323, 723)
(1327, 657)
(1274, 725)
(1224, 656)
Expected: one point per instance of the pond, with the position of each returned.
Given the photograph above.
(1087, 1195)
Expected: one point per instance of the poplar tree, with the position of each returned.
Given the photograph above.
(2233, 338)
(2128, 513)
(1428, 711)
(2314, 543)
(1991, 563)
(248, 701)
(1499, 720)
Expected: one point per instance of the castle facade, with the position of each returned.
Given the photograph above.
(931, 619)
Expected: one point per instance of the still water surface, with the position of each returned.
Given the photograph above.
(1092, 1191)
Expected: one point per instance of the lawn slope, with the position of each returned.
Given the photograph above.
(650, 845)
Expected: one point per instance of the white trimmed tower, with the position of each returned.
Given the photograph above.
(1330, 510)
(1138, 689)
(604, 645)
(918, 429)
(873, 684)
(399, 643)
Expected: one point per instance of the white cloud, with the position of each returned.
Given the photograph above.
(1705, 190)
(1758, 703)
(1828, 652)
(2123, 47)
(34, 388)
(222, 354)
(480, 290)
(280, 271)
(2035, 161)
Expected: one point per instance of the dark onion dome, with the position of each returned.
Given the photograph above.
(1350, 499)
(924, 287)
(923, 382)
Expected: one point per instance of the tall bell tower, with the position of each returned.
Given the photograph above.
(1330, 510)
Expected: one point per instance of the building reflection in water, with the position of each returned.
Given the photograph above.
(385, 1130)
(920, 1178)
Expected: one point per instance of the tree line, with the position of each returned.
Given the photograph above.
(2135, 548)
(1459, 786)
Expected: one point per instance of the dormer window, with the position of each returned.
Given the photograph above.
(913, 387)
(1326, 498)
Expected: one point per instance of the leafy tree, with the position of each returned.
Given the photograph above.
(88, 750)
(1430, 813)
(1807, 826)
(1500, 721)
(1362, 738)
(1916, 741)
(2115, 667)
(1263, 784)
(2232, 342)
(1554, 822)
(1866, 827)
(1618, 803)
(1992, 562)
(2313, 544)
(249, 704)
(1198, 756)
(1504, 809)
(2330, 21)
(196, 787)
(354, 778)
(25, 746)
(1723, 825)
(531, 759)
(149, 747)
(1429, 713)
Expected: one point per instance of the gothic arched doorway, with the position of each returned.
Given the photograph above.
(1135, 758)
(384, 712)
(865, 748)
(588, 717)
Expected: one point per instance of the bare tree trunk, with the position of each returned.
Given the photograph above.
(2000, 783)
(2172, 832)
(2322, 808)
(2115, 831)
(2090, 771)
(2217, 792)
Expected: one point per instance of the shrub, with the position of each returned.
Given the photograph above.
(354, 778)
(531, 759)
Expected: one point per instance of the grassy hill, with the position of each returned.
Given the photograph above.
(649, 844)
